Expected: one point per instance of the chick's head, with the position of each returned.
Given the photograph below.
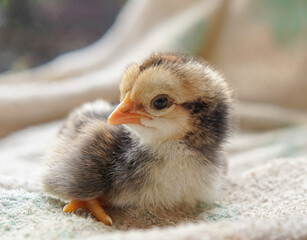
(167, 95)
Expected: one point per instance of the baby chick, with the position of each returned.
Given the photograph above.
(160, 147)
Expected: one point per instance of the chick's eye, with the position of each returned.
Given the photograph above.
(160, 102)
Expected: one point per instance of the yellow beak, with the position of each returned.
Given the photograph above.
(124, 114)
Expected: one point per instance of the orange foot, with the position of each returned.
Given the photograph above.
(93, 205)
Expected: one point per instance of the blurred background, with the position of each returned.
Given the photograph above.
(34, 32)
(55, 55)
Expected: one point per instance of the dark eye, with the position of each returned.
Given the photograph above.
(160, 102)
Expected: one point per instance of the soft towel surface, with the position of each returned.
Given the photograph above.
(264, 196)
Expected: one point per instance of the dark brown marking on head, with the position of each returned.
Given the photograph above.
(196, 106)
(211, 126)
(158, 59)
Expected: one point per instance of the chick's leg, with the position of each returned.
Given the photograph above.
(93, 205)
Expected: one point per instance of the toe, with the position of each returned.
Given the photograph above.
(74, 205)
(94, 206)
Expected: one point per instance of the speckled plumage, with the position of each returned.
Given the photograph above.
(175, 157)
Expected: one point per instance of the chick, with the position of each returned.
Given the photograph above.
(160, 147)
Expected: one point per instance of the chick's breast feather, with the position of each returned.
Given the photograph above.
(161, 146)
